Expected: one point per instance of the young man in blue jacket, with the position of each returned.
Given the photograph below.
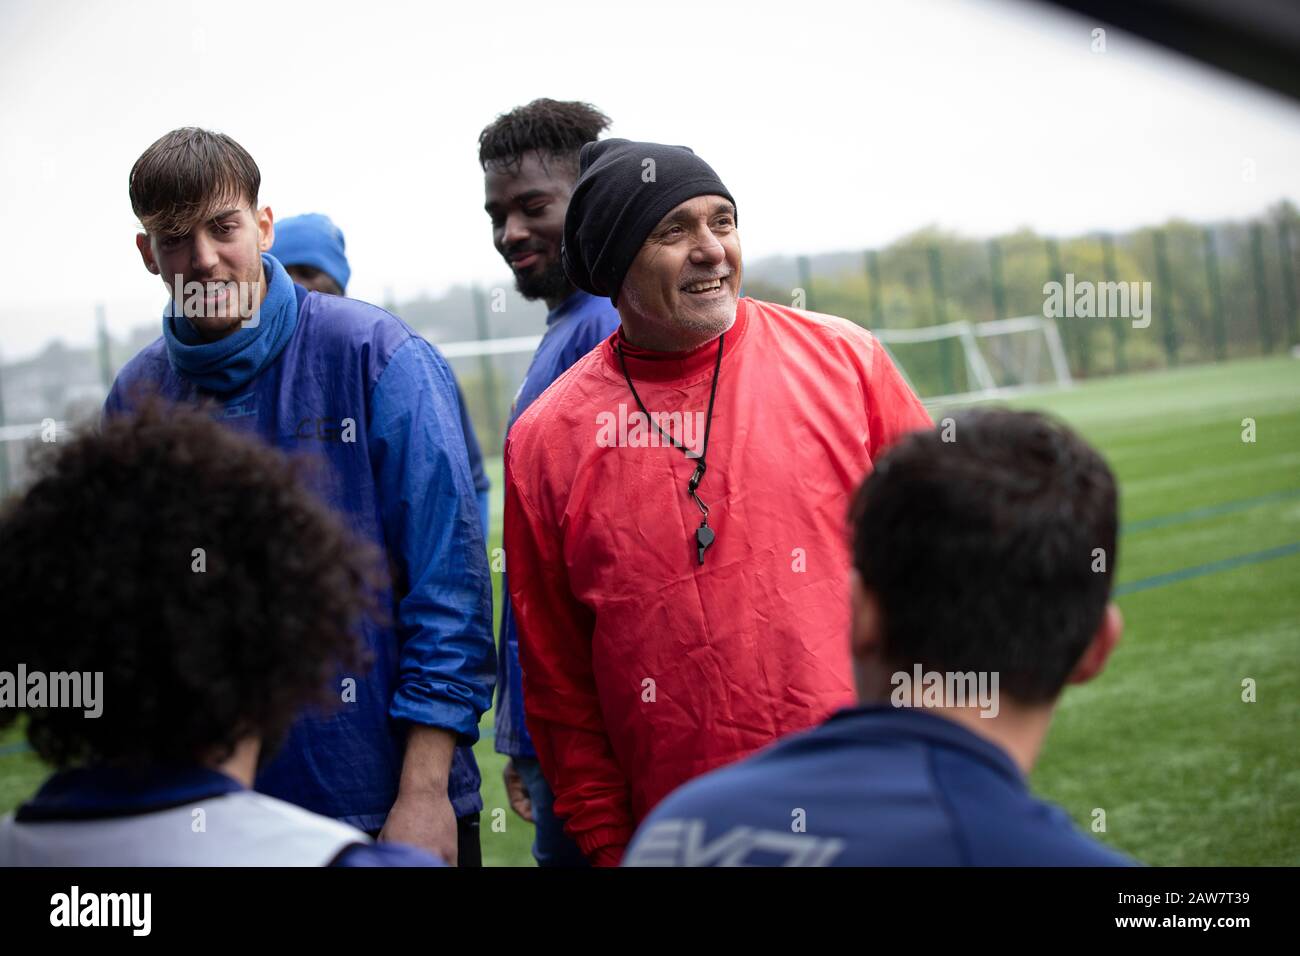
(312, 251)
(530, 164)
(983, 557)
(356, 389)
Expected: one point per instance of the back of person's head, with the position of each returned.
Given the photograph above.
(189, 174)
(190, 566)
(554, 129)
(989, 546)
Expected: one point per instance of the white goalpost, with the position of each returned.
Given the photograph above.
(1000, 358)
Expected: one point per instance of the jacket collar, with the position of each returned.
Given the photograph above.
(574, 303)
(889, 723)
(232, 362)
(91, 793)
(679, 368)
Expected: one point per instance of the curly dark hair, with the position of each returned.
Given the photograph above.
(555, 129)
(99, 568)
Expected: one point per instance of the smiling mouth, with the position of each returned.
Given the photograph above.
(524, 261)
(704, 286)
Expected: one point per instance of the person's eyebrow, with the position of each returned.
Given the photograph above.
(529, 196)
(684, 216)
(223, 214)
(681, 216)
(518, 198)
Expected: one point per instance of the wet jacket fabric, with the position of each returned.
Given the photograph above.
(573, 328)
(355, 388)
(643, 668)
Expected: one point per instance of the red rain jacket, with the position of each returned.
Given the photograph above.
(642, 668)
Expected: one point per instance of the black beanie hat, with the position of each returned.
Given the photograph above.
(618, 199)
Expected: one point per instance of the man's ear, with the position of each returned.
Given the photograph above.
(146, 252)
(864, 629)
(1094, 658)
(265, 229)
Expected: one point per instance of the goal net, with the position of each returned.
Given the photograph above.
(965, 361)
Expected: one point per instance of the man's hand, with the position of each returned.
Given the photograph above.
(520, 801)
(422, 815)
(424, 820)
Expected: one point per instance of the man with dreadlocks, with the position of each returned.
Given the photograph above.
(530, 164)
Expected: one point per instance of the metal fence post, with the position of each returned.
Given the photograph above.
(1261, 286)
(1170, 337)
(940, 313)
(489, 374)
(105, 360)
(873, 290)
(1285, 261)
(1075, 348)
(805, 280)
(1216, 297)
(998, 288)
(1118, 324)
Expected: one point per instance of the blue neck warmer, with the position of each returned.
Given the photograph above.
(233, 362)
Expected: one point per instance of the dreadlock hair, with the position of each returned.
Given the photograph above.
(554, 129)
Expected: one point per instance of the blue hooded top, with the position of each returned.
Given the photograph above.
(354, 387)
(573, 328)
(313, 240)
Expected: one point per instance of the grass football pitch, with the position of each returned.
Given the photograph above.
(1184, 770)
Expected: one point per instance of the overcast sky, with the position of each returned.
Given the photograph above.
(836, 126)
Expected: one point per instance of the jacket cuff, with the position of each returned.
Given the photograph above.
(604, 846)
(459, 720)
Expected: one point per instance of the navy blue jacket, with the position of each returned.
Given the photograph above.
(872, 786)
(482, 484)
(573, 328)
(403, 482)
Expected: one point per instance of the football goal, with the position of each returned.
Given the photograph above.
(970, 361)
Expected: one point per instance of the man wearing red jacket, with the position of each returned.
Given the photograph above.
(676, 502)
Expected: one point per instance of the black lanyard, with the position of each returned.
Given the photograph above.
(703, 534)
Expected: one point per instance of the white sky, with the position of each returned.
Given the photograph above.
(836, 126)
